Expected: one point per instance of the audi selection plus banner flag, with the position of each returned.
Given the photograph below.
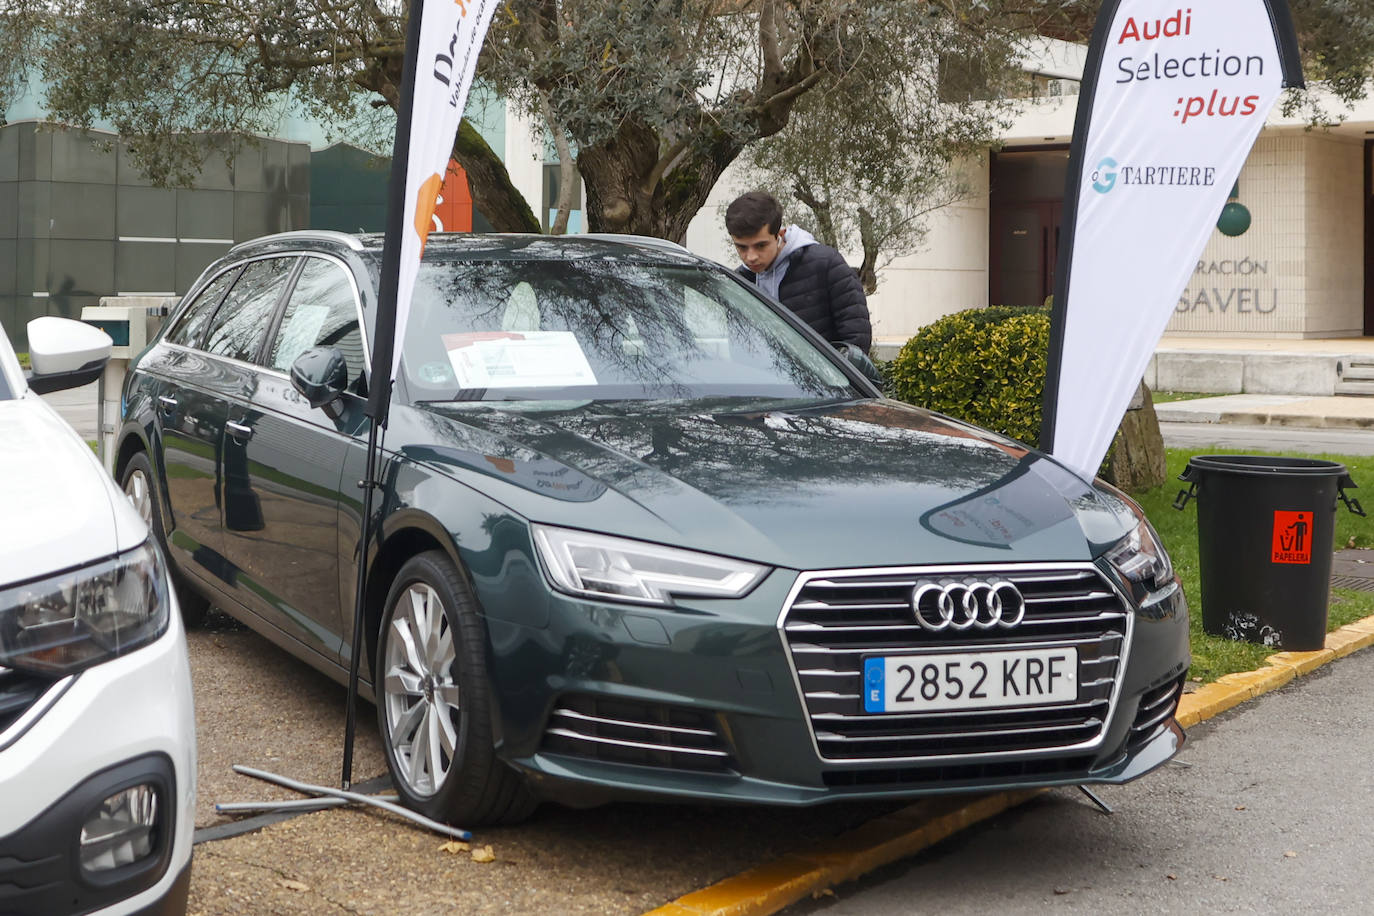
(444, 39)
(1173, 96)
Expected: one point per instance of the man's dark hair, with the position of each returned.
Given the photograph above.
(749, 213)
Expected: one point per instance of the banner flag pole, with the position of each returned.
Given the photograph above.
(443, 39)
(379, 376)
(1172, 99)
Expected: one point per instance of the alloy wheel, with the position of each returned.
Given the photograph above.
(420, 690)
(136, 488)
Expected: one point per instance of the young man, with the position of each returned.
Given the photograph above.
(811, 279)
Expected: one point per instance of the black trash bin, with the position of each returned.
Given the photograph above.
(1265, 527)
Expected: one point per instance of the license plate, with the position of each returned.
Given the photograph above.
(970, 680)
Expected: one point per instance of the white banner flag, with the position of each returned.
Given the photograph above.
(1173, 98)
(442, 59)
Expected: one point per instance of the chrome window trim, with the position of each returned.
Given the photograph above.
(317, 235)
(1091, 569)
(291, 273)
(357, 306)
(260, 367)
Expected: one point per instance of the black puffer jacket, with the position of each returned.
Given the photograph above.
(824, 291)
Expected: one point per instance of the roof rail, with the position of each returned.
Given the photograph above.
(648, 241)
(320, 234)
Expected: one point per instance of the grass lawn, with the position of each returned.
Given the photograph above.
(1214, 656)
(1161, 397)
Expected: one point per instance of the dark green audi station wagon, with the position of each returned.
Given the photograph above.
(640, 533)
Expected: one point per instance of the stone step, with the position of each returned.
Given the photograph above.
(1355, 387)
(1357, 373)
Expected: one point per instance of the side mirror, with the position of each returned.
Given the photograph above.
(65, 353)
(320, 374)
(859, 360)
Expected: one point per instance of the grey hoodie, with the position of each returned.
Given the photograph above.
(795, 239)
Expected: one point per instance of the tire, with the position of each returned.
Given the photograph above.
(434, 688)
(140, 485)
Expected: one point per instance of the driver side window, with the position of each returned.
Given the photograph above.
(321, 312)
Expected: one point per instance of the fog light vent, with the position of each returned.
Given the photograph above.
(122, 831)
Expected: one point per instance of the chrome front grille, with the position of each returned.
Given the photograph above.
(646, 734)
(19, 693)
(1156, 707)
(837, 619)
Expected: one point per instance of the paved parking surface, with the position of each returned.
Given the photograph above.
(1269, 815)
(255, 705)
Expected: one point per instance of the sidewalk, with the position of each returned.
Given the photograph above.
(1335, 412)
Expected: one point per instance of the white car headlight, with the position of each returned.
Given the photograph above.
(69, 621)
(600, 566)
(1141, 558)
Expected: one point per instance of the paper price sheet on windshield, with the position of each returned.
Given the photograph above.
(524, 359)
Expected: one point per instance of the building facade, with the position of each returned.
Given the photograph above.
(1292, 257)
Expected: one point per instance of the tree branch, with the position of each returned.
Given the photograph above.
(492, 191)
(567, 172)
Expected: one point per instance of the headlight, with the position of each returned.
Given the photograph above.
(600, 566)
(70, 621)
(1141, 558)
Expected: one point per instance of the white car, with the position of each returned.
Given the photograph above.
(97, 730)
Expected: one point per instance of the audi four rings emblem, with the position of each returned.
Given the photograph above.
(973, 603)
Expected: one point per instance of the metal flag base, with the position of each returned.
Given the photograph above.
(330, 798)
(1096, 799)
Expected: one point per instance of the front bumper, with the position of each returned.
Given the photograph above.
(721, 717)
(126, 722)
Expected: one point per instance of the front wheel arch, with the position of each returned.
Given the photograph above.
(401, 540)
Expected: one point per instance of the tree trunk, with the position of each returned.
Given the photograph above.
(821, 210)
(1136, 461)
(868, 270)
(639, 185)
(492, 192)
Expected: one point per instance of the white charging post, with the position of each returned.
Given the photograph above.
(131, 321)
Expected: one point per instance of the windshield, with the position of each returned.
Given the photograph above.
(604, 330)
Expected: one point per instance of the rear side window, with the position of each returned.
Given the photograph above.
(322, 312)
(195, 316)
(238, 327)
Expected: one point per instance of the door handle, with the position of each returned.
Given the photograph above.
(167, 404)
(238, 430)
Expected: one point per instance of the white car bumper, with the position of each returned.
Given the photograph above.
(125, 722)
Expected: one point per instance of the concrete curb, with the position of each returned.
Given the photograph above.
(1306, 421)
(774, 885)
(1200, 411)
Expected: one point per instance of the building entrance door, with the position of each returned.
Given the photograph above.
(1025, 249)
(1026, 204)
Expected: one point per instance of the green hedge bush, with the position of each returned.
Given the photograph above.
(985, 366)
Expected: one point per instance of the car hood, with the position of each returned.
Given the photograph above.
(859, 483)
(61, 509)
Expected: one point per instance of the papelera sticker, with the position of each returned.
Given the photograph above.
(1292, 537)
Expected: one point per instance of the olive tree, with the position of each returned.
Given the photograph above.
(656, 97)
